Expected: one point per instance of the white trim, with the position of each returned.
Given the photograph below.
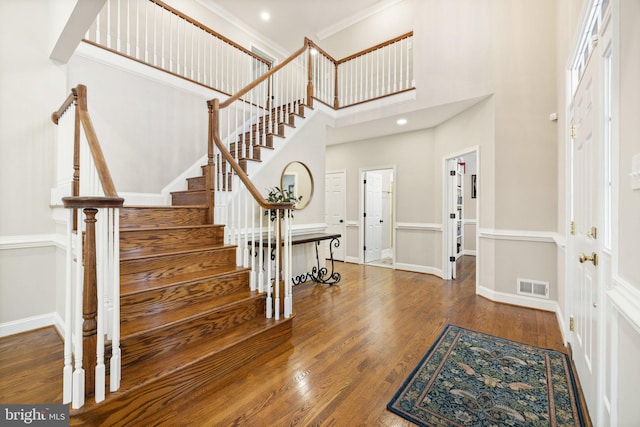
(560, 319)
(31, 323)
(560, 240)
(308, 228)
(471, 252)
(352, 259)
(519, 300)
(352, 223)
(418, 226)
(521, 235)
(354, 19)
(28, 241)
(626, 299)
(418, 269)
(469, 221)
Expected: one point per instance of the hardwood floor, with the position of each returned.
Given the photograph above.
(353, 346)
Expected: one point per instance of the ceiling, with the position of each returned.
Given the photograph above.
(293, 20)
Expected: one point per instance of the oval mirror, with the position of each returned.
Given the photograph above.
(297, 180)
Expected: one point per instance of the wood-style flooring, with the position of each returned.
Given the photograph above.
(353, 346)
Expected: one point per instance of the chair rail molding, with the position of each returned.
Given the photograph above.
(626, 299)
(521, 235)
(28, 241)
(419, 226)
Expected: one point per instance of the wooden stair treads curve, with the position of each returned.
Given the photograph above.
(188, 317)
(249, 146)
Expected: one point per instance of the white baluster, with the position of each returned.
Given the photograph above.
(118, 35)
(109, 24)
(276, 283)
(287, 263)
(253, 276)
(128, 27)
(67, 372)
(115, 369)
(269, 263)
(260, 252)
(100, 277)
(162, 25)
(245, 245)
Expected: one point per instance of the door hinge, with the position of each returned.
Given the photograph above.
(572, 324)
(572, 131)
(452, 216)
(452, 259)
(365, 248)
(452, 173)
(572, 227)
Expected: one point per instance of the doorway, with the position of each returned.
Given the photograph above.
(336, 211)
(461, 180)
(377, 213)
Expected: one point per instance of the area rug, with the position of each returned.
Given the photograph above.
(468, 378)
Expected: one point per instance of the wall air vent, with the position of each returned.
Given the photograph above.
(533, 288)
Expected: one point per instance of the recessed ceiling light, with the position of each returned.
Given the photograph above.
(402, 122)
(265, 16)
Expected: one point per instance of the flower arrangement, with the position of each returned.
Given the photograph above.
(278, 195)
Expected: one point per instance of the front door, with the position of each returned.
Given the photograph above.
(586, 198)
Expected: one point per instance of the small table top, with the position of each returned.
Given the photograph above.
(300, 239)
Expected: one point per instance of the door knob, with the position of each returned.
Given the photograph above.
(593, 258)
(341, 221)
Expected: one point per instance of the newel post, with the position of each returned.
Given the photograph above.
(90, 301)
(309, 74)
(214, 110)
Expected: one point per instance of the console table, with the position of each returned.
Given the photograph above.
(317, 274)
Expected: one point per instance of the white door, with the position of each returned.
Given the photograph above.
(453, 216)
(586, 158)
(373, 217)
(335, 210)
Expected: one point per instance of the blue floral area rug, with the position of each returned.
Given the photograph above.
(469, 378)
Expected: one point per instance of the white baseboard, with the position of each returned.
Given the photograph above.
(352, 259)
(418, 269)
(519, 300)
(471, 252)
(31, 323)
(560, 318)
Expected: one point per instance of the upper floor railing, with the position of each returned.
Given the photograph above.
(157, 35)
(376, 72)
(154, 33)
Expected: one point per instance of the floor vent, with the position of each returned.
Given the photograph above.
(533, 288)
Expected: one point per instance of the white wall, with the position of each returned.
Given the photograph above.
(31, 88)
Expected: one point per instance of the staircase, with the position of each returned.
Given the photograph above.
(188, 317)
(255, 144)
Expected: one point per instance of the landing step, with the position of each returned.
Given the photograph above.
(148, 390)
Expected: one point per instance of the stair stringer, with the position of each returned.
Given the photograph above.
(179, 183)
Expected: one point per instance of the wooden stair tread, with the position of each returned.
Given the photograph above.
(170, 227)
(180, 252)
(159, 320)
(138, 374)
(134, 287)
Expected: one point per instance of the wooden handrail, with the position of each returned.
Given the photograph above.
(376, 47)
(264, 77)
(209, 30)
(94, 145)
(214, 135)
(55, 116)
